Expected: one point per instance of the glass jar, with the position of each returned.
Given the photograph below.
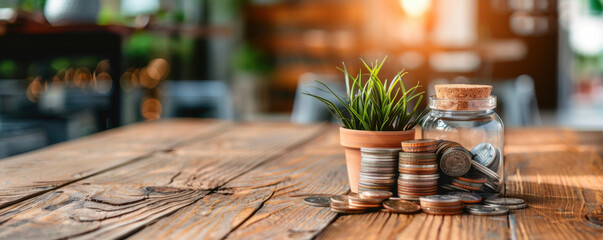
(473, 124)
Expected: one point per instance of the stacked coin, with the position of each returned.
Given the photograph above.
(441, 205)
(418, 170)
(511, 203)
(378, 169)
(420, 145)
(340, 204)
(474, 184)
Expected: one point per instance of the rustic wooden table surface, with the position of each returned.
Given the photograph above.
(206, 179)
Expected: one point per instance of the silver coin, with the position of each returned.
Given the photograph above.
(479, 207)
(504, 201)
(466, 197)
(484, 170)
(418, 166)
(489, 211)
(490, 187)
(440, 198)
(318, 201)
(418, 176)
(455, 162)
(513, 207)
(484, 153)
(381, 150)
(405, 155)
(497, 160)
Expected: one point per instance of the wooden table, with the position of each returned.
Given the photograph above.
(208, 179)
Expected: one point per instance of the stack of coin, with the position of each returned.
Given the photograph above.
(368, 199)
(340, 204)
(418, 169)
(511, 203)
(420, 145)
(378, 169)
(484, 210)
(474, 184)
(441, 205)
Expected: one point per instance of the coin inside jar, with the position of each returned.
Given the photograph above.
(484, 153)
(455, 162)
(467, 197)
(401, 206)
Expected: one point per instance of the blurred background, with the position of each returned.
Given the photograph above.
(70, 68)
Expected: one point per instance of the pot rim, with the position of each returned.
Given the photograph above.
(341, 128)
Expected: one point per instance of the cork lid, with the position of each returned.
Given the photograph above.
(462, 91)
(462, 97)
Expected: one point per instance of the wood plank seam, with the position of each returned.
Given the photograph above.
(211, 133)
(218, 189)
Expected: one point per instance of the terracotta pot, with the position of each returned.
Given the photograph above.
(353, 140)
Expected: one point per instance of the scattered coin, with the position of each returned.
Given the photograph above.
(318, 201)
(348, 210)
(514, 207)
(401, 206)
(487, 210)
(339, 199)
(484, 153)
(375, 194)
(440, 199)
(504, 201)
(467, 197)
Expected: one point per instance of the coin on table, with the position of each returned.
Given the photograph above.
(440, 199)
(479, 207)
(318, 201)
(514, 207)
(348, 211)
(455, 163)
(375, 194)
(488, 211)
(401, 206)
(467, 197)
(484, 153)
(504, 201)
(339, 199)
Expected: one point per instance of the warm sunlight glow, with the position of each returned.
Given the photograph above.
(415, 8)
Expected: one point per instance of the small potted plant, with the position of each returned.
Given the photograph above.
(375, 114)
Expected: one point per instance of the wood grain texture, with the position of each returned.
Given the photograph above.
(247, 181)
(116, 203)
(561, 182)
(380, 225)
(266, 202)
(29, 174)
